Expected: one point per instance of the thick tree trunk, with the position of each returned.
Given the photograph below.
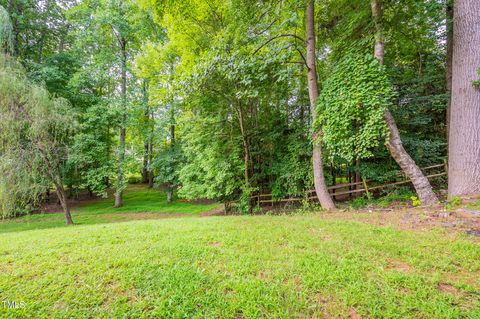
(394, 143)
(123, 133)
(407, 164)
(464, 147)
(319, 179)
(448, 75)
(62, 197)
(169, 195)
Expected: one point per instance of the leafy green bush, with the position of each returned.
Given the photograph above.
(453, 203)
(359, 202)
(397, 195)
(134, 179)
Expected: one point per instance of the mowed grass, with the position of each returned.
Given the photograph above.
(139, 202)
(140, 199)
(239, 267)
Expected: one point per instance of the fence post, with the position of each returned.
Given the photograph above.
(365, 186)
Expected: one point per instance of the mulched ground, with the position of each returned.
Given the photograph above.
(421, 218)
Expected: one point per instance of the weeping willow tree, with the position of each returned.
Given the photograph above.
(35, 134)
(6, 31)
(35, 138)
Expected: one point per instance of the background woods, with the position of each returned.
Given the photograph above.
(226, 100)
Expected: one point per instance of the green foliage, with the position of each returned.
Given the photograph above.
(91, 163)
(35, 138)
(477, 82)
(453, 203)
(134, 178)
(167, 165)
(213, 165)
(292, 167)
(6, 31)
(231, 77)
(351, 107)
(243, 206)
(359, 202)
(399, 195)
(415, 201)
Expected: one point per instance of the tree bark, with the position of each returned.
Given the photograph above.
(171, 187)
(123, 133)
(62, 197)
(448, 75)
(464, 146)
(246, 148)
(150, 159)
(318, 176)
(169, 195)
(150, 152)
(145, 163)
(146, 155)
(394, 142)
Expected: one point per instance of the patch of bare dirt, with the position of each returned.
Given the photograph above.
(197, 201)
(216, 244)
(219, 211)
(115, 291)
(443, 287)
(325, 306)
(470, 278)
(60, 306)
(53, 206)
(354, 314)
(399, 266)
(264, 275)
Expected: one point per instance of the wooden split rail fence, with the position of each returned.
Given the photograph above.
(342, 191)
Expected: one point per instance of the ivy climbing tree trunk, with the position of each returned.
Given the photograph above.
(318, 176)
(123, 133)
(464, 146)
(394, 142)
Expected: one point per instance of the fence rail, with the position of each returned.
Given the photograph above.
(259, 199)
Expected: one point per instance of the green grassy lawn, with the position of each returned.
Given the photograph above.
(239, 267)
(137, 200)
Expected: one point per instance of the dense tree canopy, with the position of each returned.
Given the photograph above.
(213, 99)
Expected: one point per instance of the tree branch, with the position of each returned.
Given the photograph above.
(278, 37)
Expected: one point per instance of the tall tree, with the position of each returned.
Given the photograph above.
(464, 141)
(122, 42)
(318, 176)
(394, 143)
(448, 74)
